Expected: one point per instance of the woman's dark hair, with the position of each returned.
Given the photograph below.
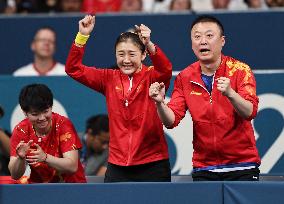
(133, 37)
(207, 18)
(35, 97)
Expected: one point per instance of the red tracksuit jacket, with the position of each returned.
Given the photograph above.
(136, 132)
(220, 135)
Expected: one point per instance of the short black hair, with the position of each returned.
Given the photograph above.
(35, 97)
(123, 37)
(97, 124)
(208, 18)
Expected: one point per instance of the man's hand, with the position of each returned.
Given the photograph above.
(86, 25)
(224, 86)
(157, 92)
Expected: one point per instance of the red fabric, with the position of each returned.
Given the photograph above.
(220, 135)
(99, 6)
(7, 180)
(61, 139)
(136, 132)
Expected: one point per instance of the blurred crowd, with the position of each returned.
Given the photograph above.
(128, 6)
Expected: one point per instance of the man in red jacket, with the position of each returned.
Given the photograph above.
(137, 147)
(220, 94)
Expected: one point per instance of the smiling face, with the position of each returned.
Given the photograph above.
(41, 120)
(207, 42)
(129, 57)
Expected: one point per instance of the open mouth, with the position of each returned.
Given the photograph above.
(204, 51)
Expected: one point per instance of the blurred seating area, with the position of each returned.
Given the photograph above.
(10, 7)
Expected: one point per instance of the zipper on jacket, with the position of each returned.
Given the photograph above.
(210, 100)
(130, 83)
(129, 89)
(129, 148)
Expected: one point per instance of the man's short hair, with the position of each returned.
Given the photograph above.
(97, 124)
(44, 28)
(208, 18)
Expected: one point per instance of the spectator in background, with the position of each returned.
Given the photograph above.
(274, 3)
(43, 47)
(97, 138)
(70, 6)
(4, 148)
(211, 5)
(180, 5)
(28, 6)
(138, 149)
(255, 4)
(47, 141)
(50, 6)
(202, 5)
(35, 6)
(156, 6)
(220, 94)
(8, 6)
(232, 5)
(130, 6)
(4, 152)
(100, 6)
(220, 4)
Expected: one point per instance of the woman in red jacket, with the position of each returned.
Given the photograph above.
(137, 149)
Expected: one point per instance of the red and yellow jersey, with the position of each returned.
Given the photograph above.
(62, 138)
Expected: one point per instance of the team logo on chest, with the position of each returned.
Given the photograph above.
(118, 88)
(195, 93)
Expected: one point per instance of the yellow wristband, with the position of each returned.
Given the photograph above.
(81, 39)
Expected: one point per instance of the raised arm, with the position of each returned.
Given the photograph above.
(89, 76)
(162, 65)
(86, 26)
(145, 35)
(74, 66)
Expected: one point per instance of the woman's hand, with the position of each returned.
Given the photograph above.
(22, 149)
(86, 25)
(144, 33)
(37, 155)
